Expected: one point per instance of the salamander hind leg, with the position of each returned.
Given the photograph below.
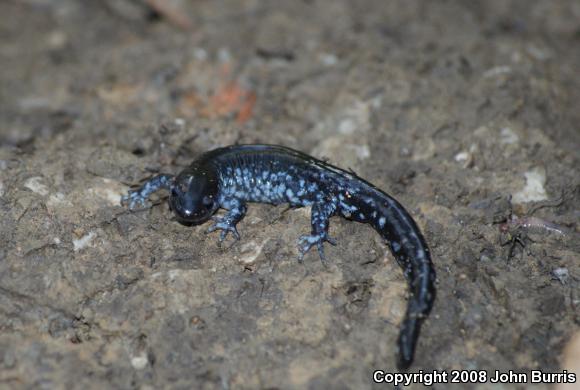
(227, 223)
(139, 196)
(320, 214)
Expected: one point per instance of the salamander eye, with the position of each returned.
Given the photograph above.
(207, 202)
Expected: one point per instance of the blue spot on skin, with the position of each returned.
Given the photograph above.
(347, 208)
(396, 246)
(382, 221)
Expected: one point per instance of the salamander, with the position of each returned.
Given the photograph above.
(233, 176)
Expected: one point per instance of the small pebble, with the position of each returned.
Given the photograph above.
(83, 242)
(533, 190)
(35, 185)
(561, 273)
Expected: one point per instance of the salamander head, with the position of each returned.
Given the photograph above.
(193, 196)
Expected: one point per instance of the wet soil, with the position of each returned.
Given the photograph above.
(467, 112)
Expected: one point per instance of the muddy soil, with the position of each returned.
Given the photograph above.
(467, 112)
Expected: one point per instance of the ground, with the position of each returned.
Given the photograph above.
(466, 112)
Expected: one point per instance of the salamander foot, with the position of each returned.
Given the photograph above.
(306, 242)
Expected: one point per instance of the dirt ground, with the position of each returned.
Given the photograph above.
(465, 111)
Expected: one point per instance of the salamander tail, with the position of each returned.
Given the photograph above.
(410, 250)
(408, 336)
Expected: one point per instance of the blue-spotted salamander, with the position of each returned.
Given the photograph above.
(233, 176)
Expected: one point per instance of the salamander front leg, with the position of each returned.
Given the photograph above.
(227, 223)
(140, 195)
(321, 212)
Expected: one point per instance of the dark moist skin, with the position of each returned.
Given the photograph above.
(233, 176)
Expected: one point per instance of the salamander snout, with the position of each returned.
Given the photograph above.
(193, 197)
